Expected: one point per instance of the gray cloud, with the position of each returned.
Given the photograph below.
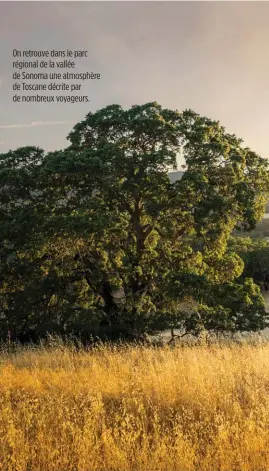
(33, 124)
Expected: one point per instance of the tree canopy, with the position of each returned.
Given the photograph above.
(96, 240)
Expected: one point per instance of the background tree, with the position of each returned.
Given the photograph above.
(255, 254)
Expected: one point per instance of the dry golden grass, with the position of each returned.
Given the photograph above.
(201, 408)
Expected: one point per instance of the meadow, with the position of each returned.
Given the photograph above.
(135, 408)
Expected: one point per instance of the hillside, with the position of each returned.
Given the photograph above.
(174, 176)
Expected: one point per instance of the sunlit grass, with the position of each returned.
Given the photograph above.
(200, 408)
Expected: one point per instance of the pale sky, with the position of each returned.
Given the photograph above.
(212, 57)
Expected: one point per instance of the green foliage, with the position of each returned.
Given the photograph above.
(255, 254)
(96, 240)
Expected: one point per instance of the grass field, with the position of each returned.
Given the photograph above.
(200, 408)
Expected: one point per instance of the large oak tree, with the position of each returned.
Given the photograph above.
(96, 239)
